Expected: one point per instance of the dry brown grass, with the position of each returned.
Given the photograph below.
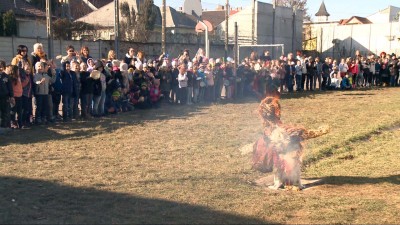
(184, 165)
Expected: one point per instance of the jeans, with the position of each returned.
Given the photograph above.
(299, 79)
(310, 81)
(42, 107)
(324, 83)
(50, 106)
(26, 110)
(392, 81)
(98, 104)
(56, 103)
(196, 95)
(189, 95)
(174, 94)
(75, 107)
(4, 111)
(289, 82)
(182, 94)
(17, 110)
(86, 103)
(68, 102)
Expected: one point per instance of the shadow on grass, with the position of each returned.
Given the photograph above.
(353, 180)
(77, 130)
(27, 201)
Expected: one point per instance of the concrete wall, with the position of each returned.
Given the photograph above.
(264, 27)
(343, 41)
(99, 49)
(8, 46)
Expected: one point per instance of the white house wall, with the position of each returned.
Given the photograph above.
(367, 38)
(31, 28)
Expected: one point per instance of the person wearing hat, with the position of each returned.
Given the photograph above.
(115, 104)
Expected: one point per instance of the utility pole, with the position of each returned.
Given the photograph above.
(49, 29)
(253, 21)
(235, 65)
(293, 26)
(226, 28)
(236, 55)
(164, 24)
(273, 28)
(116, 26)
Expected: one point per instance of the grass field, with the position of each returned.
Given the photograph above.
(180, 165)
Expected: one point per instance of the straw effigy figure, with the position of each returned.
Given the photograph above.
(280, 149)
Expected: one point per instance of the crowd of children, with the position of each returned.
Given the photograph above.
(33, 88)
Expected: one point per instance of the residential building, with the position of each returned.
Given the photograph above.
(372, 34)
(31, 21)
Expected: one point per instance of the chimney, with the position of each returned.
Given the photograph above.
(220, 8)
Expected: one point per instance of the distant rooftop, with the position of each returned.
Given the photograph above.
(322, 10)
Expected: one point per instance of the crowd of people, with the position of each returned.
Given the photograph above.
(33, 88)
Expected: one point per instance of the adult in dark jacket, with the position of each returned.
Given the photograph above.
(38, 54)
(130, 57)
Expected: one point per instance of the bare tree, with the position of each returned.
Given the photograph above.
(295, 4)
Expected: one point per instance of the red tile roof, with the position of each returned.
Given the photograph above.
(214, 17)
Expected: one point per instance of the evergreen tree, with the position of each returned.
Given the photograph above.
(146, 18)
(9, 23)
(1, 25)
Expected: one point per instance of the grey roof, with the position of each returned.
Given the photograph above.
(23, 9)
(179, 19)
(100, 3)
(322, 10)
(174, 18)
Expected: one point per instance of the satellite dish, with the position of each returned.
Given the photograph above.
(195, 5)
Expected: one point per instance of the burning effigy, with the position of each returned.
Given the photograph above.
(280, 148)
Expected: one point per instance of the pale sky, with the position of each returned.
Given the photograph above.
(338, 9)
